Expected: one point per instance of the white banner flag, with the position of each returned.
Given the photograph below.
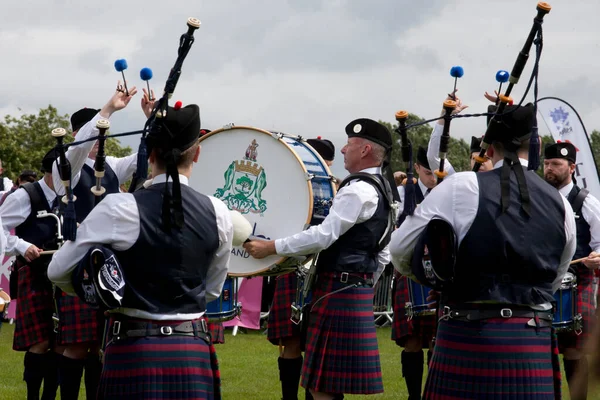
(564, 123)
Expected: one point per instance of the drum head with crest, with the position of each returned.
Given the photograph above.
(278, 182)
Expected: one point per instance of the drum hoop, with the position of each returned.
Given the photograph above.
(298, 159)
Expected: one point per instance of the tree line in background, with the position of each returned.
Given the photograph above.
(459, 152)
(24, 140)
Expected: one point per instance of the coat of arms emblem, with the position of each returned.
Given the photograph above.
(244, 182)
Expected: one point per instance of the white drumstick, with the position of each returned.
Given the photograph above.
(47, 252)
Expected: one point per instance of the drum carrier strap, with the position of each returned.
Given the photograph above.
(384, 187)
(578, 201)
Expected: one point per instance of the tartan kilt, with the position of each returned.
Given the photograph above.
(217, 332)
(35, 306)
(279, 325)
(78, 322)
(422, 326)
(342, 354)
(493, 359)
(160, 367)
(585, 307)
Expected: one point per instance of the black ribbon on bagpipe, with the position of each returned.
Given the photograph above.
(511, 161)
(153, 126)
(410, 198)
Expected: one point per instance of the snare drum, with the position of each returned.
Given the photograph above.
(418, 300)
(565, 311)
(226, 307)
(277, 181)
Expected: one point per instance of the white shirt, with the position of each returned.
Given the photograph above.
(8, 184)
(115, 222)
(2, 241)
(400, 188)
(14, 211)
(591, 213)
(353, 204)
(78, 155)
(433, 151)
(456, 200)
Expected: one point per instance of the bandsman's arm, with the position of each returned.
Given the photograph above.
(217, 271)
(14, 211)
(591, 213)
(455, 200)
(114, 222)
(570, 246)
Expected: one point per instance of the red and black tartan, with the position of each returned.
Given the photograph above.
(585, 307)
(493, 359)
(35, 306)
(279, 324)
(160, 367)
(422, 326)
(78, 322)
(342, 354)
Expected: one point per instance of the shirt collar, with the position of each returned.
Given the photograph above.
(162, 178)
(49, 193)
(372, 170)
(423, 188)
(523, 162)
(89, 162)
(565, 190)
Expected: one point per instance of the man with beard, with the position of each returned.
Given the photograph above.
(559, 168)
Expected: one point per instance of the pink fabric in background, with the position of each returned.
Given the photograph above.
(249, 294)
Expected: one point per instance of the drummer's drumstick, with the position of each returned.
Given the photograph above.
(48, 252)
(582, 259)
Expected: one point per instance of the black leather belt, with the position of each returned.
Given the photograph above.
(507, 312)
(350, 278)
(123, 328)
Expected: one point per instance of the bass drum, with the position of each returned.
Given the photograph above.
(276, 181)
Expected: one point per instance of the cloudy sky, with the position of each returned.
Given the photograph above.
(303, 67)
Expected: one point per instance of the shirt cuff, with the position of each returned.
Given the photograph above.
(279, 246)
(22, 246)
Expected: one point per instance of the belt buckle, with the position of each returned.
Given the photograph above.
(204, 325)
(506, 313)
(344, 277)
(166, 330)
(116, 328)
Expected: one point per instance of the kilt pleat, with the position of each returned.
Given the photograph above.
(342, 354)
(585, 307)
(279, 324)
(165, 367)
(493, 359)
(35, 306)
(422, 326)
(78, 322)
(217, 332)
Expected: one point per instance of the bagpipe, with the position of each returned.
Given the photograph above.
(152, 125)
(434, 256)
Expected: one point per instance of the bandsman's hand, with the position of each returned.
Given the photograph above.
(32, 253)
(433, 298)
(593, 261)
(148, 102)
(118, 101)
(459, 106)
(260, 248)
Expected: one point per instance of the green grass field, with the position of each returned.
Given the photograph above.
(248, 364)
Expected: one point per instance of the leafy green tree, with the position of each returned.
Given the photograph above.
(25, 140)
